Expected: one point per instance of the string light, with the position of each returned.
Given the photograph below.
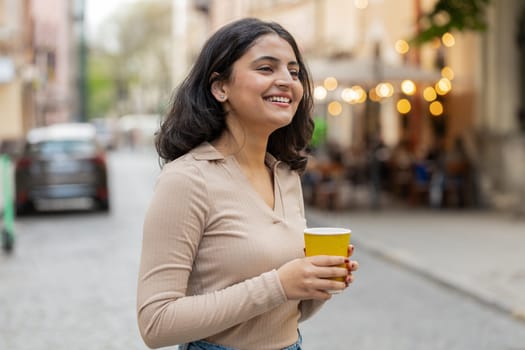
(403, 106)
(436, 108)
(330, 83)
(402, 46)
(408, 87)
(429, 94)
(335, 108)
(448, 39)
(320, 93)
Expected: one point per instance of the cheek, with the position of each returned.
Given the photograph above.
(298, 92)
(251, 85)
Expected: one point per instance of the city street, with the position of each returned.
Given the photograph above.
(71, 282)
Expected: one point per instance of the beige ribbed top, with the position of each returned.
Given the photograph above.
(210, 251)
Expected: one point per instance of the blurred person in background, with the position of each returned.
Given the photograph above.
(223, 264)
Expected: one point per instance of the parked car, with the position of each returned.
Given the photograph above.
(61, 163)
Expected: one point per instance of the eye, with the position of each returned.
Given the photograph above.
(265, 69)
(294, 73)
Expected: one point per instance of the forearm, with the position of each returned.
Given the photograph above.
(167, 319)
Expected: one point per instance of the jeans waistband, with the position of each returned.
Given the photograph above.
(204, 345)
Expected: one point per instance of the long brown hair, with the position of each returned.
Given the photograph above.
(196, 116)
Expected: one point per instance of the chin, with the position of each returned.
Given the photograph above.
(282, 122)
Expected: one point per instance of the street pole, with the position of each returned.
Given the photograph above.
(79, 21)
(8, 232)
(415, 121)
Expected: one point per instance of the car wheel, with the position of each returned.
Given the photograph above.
(103, 205)
(8, 241)
(24, 209)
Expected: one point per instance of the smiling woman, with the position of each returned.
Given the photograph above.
(223, 264)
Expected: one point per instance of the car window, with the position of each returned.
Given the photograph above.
(49, 148)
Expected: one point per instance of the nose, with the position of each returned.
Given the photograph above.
(284, 79)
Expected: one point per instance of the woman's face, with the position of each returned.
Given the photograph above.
(264, 90)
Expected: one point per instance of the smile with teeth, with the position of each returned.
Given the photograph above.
(280, 99)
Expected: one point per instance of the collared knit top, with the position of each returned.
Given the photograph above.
(211, 247)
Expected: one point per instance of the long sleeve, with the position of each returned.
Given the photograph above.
(173, 229)
(309, 308)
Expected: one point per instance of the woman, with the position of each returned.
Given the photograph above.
(222, 263)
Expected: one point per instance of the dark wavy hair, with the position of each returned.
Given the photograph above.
(196, 116)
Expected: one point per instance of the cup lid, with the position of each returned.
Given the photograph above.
(327, 230)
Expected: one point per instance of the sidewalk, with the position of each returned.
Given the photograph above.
(479, 253)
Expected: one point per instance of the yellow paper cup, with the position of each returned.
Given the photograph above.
(327, 241)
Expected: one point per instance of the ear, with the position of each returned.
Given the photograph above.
(218, 89)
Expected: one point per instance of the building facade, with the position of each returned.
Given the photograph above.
(355, 42)
(55, 59)
(38, 73)
(16, 69)
(500, 121)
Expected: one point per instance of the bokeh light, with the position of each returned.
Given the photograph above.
(429, 94)
(443, 86)
(320, 93)
(330, 83)
(448, 73)
(403, 106)
(353, 95)
(402, 46)
(448, 39)
(373, 95)
(436, 108)
(436, 43)
(384, 90)
(348, 95)
(408, 87)
(335, 108)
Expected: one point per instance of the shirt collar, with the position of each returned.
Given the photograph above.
(205, 151)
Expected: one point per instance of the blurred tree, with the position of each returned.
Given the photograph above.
(319, 133)
(129, 61)
(450, 15)
(102, 90)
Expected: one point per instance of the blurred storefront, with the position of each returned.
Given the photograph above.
(55, 58)
(15, 69)
(500, 123)
(37, 66)
(456, 97)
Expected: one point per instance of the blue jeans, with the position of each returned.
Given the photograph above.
(204, 345)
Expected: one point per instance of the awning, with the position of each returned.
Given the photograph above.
(353, 71)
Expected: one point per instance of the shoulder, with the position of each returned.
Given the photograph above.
(190, 169)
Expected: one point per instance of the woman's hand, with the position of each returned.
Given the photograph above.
(309, 277)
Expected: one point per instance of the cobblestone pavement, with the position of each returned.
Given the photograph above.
(71, 283)
(479, 253)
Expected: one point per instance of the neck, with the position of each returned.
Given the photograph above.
(249, 149)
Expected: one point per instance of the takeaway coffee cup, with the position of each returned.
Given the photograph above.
(327, 241)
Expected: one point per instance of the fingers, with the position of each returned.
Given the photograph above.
(350, 250)
(330, 272)
(321, 284)
(315, 276)
(327, 260)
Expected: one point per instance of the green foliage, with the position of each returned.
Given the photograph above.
(131, 52)
(319, 134)
(101, 86)
(450, 15)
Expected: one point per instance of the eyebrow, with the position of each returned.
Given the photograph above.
(274, 59)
